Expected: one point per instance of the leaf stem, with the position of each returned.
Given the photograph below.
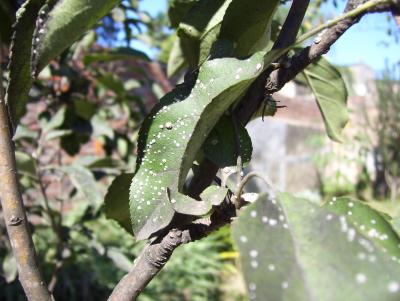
(243, 183)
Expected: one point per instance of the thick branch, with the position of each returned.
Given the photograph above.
(14, 214)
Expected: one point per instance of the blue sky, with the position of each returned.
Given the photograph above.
(366, 42)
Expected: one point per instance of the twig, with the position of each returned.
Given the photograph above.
(15, 216)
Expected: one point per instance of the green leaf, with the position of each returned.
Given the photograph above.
(116, 204)
(199, 29)
(56, 134)
(247, 25)
(23, 132)
(186, 205)
(101, 127)
(9, 268)
(112, 82)
(63, 24)
(56, 121)
(330, 91)
(106, 162)
(174, 131)
(212, 196)
(292, 249)
(84, 108)
(7, 17)
(20, 78)
(178, 9)
(122, 53)
(223, 137)
(85, 183)
(176, 59)
(25, 164)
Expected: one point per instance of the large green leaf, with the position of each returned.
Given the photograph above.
(330, 91)
(20, 76)
(117, 201)
(246, 25)
(174, 131)
(62, 23)
(292, 249)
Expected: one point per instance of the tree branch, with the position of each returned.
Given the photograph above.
(278, 78)
(155, 255)
(15, 216)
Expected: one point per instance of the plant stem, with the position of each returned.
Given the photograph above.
(15, 216)
(243, 183)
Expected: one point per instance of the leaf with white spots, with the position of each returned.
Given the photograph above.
(174, 131)
(224, 137)
(292, 249)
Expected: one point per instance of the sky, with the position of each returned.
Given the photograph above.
(366, 42)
